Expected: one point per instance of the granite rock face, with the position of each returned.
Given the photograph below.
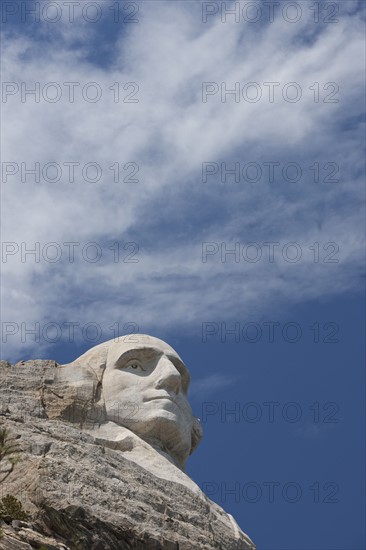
(86, 491)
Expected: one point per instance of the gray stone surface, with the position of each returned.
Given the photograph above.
(88, 481)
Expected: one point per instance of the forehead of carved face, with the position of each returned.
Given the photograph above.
(145, 386)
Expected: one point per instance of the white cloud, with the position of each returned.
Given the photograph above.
(207, 386)
(169, 133)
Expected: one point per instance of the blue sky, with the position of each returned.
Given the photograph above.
(169, 137)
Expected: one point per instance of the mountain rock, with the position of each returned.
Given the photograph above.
(84, 489)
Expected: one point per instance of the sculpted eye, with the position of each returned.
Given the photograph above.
(134, 365)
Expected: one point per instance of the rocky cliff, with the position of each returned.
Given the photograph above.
(82, 494)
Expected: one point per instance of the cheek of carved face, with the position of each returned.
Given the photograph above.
(146, 392)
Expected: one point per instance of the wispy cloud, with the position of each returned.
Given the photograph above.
(314, 431)
(169, 133)
(204, 387)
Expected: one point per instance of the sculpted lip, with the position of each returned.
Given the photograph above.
(163, 396)
(166, 396)
(170, 398)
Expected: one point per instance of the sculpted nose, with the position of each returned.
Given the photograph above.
(169, 377)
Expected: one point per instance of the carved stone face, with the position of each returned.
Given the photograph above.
(145, 386)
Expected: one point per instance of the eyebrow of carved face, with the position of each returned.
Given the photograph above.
(150, 353)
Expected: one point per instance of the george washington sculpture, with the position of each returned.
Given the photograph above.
(106, 437)
(134, 384)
